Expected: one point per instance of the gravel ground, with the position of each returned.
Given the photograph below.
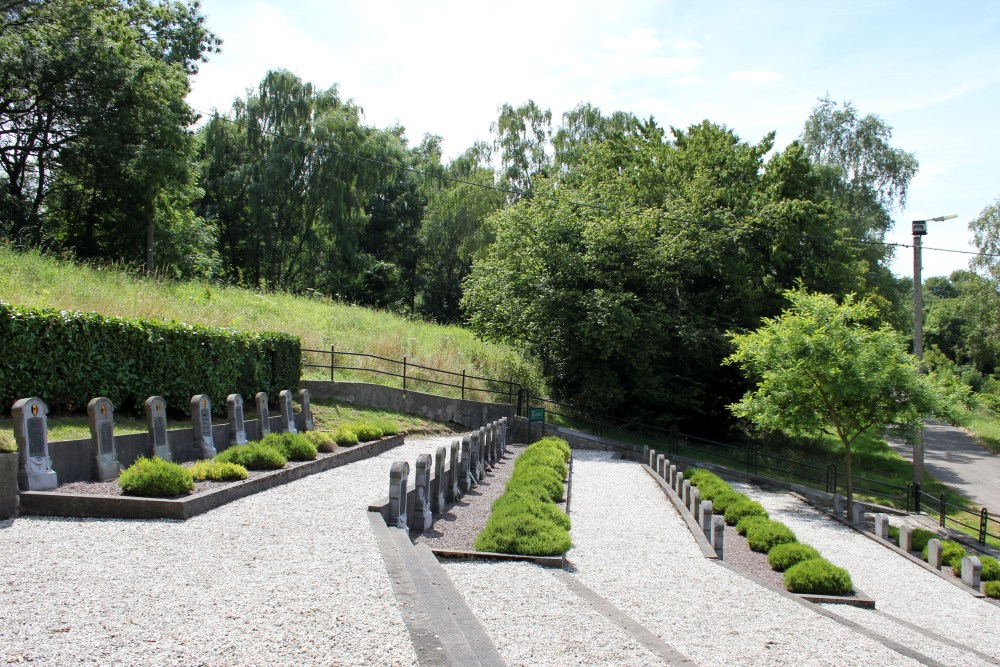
(632, 548)
(900, 588)
(289, 576)
(559, 629)
(458, 527)
(737, 552)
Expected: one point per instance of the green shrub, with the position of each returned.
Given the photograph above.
(323, 440)
(558, 444)
(155, 478)
(919, 539)
(747, 522)
(217, 471)
(991, 568)
(525, 502)
(783, 556)
(293, 446)
(387, 426)
(366, 431)
(894, 534)
(523, 533)
(345, 437)
(765, 535)
(254, 456)
(540, 477)
(542, 456)
(79, 356)
(992, 589)
(951, 553)
(7, 443)
(743, 508)
(722, 501)
(818, 576)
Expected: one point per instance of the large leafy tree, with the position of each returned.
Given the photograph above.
(824, 367)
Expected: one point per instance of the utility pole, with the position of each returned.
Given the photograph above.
(919, 231)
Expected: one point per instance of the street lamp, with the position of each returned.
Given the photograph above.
(919, 230)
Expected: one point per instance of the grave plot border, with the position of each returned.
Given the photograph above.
(859, 599)
(46, 503)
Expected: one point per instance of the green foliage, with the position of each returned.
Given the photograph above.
(523, 534)
(558, 444)
(217, 471)
(155, 478)
(253, 456)
(783, 556)
(919, 539)
(293, 446)
(324, 441)
(68, 357)
(742, 508)
(747, 523)
(894, 534)
(366, 431)
(521, 501)
(345, 437)
(818, 577)
(765, 535)
(951, 553)
(387, 426)
(7, 443)
(539, 477)
(992, 589)
(544, 455)
(991, 568)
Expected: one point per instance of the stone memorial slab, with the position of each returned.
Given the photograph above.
(695, 502)
(508, 434)
(201, 425)
(31, 432)
(858, 514)
(475, 457)
(705, 519)
(440, 481)
(484, 463)
(651, 458)
(237, 427)
(882, 525)
(718, 530)
(934, 553)
(398, 477)
(671, 474)
(263, 415)
(307, 415)
(660, 467)
(972, 572)
(454, 491)
(905, 538)
(287, 411)
(686, 492)
(103, 457)
(422, 518)
(838, 505)
(466, 480)
(678, 483)
(156, 425)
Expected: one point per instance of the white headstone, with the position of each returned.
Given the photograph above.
(31, 431)
(237, 426)
(156, 425)
(422, 518)
(905, 538)
(398, 477)
(661, 465)
(201, 424)
(695, 502)
(718, 530)
(103, 457)
(934, 553)
(882, 525)
(972, 569)
(686, 492)
(705, 519)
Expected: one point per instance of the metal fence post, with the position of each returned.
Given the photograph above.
(332, 365)
(463, 384)
(510, 391)
(944, 509)
(916, 497)
(519, 393)
(404, 374)
(984, 518)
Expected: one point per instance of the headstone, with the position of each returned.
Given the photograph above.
(287, 411)
(934, 553)
(504, 436)
(718, 530)
(651, 459)
(671, 473)
(487, 436)
(440, 481)
(678, 483)
(695, 502)
(646, 453)
(466, 480)
(905, 538)
(237, 427)
(398, 477)
(103, 457)
(972, 569)
(484, 463)
(31, 431)
(705, 519)
(307, 414)
(660, 460)
(686, 492)
(263, 415)
(156, 424)
(838, 505)
(201, 424)
(475, 462)
(454, 491)
(858, 514)
(882, 525)
(422, 518)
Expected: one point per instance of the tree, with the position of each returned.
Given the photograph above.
(820, 367)
(521, 137)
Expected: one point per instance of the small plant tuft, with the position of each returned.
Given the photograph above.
(784, 556)
(345, 437)
(766, 535)
(742, 508)
(323, 440)
(366, 431)
(155, 478)
(919, 539)
(7, 443)
(818, 576)
(991, 568)
(217, 471)
(254, 456)
(387, 426)
(992, 589)
(293, 446)
(747, 522)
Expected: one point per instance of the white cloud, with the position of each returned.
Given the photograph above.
(750, 76)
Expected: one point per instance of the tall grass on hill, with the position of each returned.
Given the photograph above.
(32, 279)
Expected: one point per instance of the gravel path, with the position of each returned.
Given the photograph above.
(632, 548)
(900, 588)
(289, 576)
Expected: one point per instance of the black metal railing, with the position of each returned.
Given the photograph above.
(949, 515)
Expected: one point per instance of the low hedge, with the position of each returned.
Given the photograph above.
(990, 567)
(747, 522)
(743, 508)
(345, 437)
(818, 576)
(254, 456)
(68, 357)
(155, 478)
(217, 471)
(366, 431)
(992, 589)
(783, 556)
(558, 444)
(919, 539)
(323, 440)
(765, 535)
(525, 519)
(293, 446)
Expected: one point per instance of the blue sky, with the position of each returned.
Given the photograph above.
(931, 70)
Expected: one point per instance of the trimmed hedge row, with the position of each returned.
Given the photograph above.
(805, 570)
(68, 357)
(525, 519)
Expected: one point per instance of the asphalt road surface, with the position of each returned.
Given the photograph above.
(954, 458)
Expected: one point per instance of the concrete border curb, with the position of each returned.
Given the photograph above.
(46, 503)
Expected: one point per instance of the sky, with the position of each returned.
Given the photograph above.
(931, 70)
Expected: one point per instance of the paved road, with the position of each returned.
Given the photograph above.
(956, 459)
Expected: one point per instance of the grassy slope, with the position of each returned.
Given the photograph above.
(30, 279)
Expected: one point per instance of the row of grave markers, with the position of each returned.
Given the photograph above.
(469, 461)
(30, 416)
(711, 524)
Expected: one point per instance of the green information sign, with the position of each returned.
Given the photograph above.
(536, 415)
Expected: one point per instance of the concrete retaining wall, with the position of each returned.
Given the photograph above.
(468, 414)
